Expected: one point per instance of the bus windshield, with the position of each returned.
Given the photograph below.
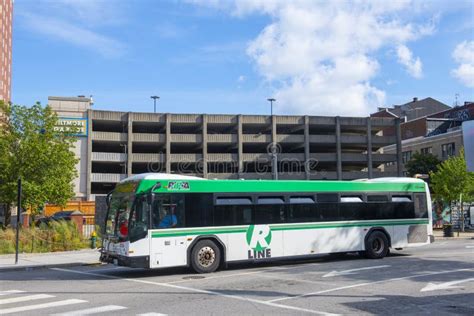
(118, 214)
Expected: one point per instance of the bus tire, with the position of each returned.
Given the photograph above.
(205, 256)
(376, 245)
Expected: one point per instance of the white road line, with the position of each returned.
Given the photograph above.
(94, 310)
(445, 285)
(40, 306)
(152, 314)
(352, 271)
(277, 277)
(179, 287)
(10, 292)
(367, 283)
(24, 298)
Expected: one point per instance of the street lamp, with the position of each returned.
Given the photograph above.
(154, 97)
(271, 104)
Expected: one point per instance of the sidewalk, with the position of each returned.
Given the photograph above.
(50, 259)
(438, 233)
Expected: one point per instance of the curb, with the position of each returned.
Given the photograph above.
(47, 266)
(453, 238)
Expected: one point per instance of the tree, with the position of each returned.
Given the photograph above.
(422, 164)
(453, 179)
(32, 149)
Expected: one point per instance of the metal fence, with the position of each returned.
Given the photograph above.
(88, 226)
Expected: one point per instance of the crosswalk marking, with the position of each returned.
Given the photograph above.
(94, 310)
(24, 298)
(10, 292)
(40, 306)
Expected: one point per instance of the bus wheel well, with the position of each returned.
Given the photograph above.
(380, 229)
(213, 238)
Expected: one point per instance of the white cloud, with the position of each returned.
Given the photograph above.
(412, 65)
(75, 35)
(464, 55)
(241, 78)
(320, 56)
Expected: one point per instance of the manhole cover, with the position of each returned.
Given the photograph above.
(193, 277)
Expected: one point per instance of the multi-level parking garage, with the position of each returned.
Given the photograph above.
(120, 144)
(234, 146)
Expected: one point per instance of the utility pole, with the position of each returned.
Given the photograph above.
(271, 104)
(154, 97)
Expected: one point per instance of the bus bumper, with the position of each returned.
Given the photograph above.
(132, 262)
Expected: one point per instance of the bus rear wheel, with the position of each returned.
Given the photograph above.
(205, 256)
(376, 245)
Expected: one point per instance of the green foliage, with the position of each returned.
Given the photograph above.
(453, 179)
(422, 164)
(55, 236)
(30, 148)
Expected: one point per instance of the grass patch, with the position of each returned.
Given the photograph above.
(54, 236)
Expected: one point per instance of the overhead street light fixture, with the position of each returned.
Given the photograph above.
(271, 104)
(154, 97)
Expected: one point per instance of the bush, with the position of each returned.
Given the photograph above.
(55, 236)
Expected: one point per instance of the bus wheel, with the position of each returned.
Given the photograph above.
(205, 256)
(376, 245)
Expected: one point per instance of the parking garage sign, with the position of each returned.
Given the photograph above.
(72, 126)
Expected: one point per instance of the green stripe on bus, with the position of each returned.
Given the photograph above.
(284, 186)
(232, 230)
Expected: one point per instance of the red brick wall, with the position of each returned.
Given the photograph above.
(6, 17)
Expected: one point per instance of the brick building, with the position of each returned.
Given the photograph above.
(6, 16)
(440, 134)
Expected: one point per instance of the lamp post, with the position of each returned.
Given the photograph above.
(154, 97)
(271, 104)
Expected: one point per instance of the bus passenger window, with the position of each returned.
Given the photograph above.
(233, 211)
(168, 211)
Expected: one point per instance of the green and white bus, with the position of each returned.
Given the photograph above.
(165, 220)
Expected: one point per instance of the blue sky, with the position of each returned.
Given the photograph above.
(317, 58)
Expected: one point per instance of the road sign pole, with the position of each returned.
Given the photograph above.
(18, 221)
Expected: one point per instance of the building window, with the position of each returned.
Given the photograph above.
(406, 156)
(447, 150)
(426, 150)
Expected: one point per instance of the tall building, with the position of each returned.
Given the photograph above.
(114, 145)
(6, 16)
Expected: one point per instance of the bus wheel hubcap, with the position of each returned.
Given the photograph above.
(206, 256)
(377, 245)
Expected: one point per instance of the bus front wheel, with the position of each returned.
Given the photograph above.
(205, 256)
(376, 245)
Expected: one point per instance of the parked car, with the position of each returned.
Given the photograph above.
(62, 215)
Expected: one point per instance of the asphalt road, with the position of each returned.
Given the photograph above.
(436, 279)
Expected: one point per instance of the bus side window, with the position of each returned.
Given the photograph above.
(351, 207)
(403, 206)
(421, 207)
(327, 207)
(378, 207)
(270, 209)
(168, 211)
(302, 209)
(198, 209)
(233, 211)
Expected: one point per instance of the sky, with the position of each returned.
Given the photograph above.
(221, 56)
